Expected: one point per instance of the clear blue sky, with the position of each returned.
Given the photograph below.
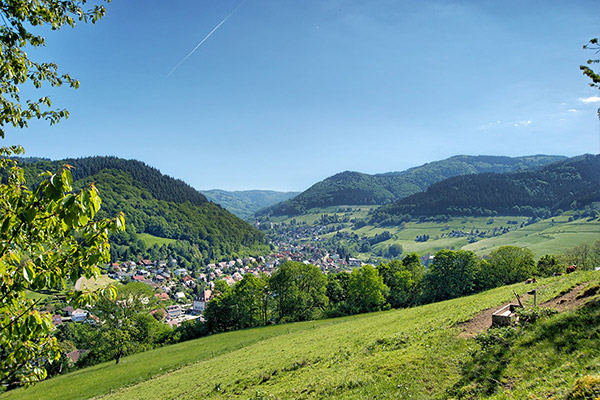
(287, 92)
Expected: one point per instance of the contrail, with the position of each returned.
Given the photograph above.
(206, 38)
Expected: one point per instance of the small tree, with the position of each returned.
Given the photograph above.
(366, 290)
(123, 330)
(548, 265)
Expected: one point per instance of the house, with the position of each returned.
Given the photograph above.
(75, 355)
(237, 277)
(161, 296)
(179, 296)
(68, 310)
(56, 320)
(201, 301)
(159, 314)
(180, 271)
(230, 281)
(354, 262)
(79, 315)
(146, 263)
(174, 311)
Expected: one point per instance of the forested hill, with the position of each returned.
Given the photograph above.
(357, 188)
(572, 183)
(244, 203)
(159, 205)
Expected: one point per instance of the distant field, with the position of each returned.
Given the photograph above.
(94, 284)
(550, 236)
(412, 353)
(151, 240)
(544, 237)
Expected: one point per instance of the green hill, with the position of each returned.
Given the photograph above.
(158, 205)
(244, 203)
(569, 184)
(425, 352)
(362, 189)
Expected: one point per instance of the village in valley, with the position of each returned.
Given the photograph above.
(182, 295)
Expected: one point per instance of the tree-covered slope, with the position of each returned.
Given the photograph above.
(572, 183)
(244, 203)
(158, 204)
(363, 189)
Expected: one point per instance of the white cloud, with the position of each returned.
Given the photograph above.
(591, 99)
(572, 110)
(522, 123)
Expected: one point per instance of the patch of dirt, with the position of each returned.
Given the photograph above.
(567, 301)
(482, 321)
(572, 299)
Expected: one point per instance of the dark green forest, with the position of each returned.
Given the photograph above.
(356, 188)
(570, 184)
(159, 205)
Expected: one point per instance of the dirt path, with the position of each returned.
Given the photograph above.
(572, 299)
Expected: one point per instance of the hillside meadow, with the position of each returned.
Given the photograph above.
(548, 236)
(416, 353)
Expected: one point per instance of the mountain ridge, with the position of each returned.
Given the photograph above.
(570, 183)
(159, 205)
(351, 187)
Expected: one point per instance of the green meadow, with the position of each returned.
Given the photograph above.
(416, 353)
(549, 236)
(150, 240)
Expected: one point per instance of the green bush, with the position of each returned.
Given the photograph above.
(585, 388)
(529, 315)
(493, 336)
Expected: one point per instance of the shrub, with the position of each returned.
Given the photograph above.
(586, 387)
(529, 315)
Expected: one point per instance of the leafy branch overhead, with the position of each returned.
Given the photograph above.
(17, 68)
(49, 235)
(589, 72)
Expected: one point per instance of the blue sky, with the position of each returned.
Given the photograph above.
(287, 92)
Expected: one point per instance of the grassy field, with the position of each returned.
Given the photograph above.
(412, 353)
(151, 240)
(94, 284)
(550, 236)
(544, 237)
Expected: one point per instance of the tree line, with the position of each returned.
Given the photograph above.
(298, 292)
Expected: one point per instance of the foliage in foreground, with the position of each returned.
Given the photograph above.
(48, 238)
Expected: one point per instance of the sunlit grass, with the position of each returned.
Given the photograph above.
(410, 353)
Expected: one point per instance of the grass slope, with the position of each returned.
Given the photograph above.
(413, 353)
(548, 236)
(150, 240)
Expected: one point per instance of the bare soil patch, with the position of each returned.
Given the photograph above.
(572, 299)
(566, 301)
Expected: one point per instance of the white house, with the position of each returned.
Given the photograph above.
(200, 302)
(79, 315)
